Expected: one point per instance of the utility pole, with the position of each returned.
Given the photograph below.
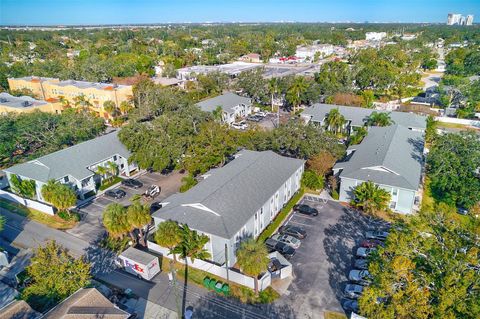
(226, 263)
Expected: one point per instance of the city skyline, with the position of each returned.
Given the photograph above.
(89, 12)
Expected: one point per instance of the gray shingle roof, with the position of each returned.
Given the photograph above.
(227, 101)
(73, 160)
(358, 115)
(231, 194)
(388, 155)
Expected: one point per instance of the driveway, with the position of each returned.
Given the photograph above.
(91, 228)
(322, 262)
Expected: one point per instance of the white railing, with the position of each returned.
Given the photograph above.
(44, 208)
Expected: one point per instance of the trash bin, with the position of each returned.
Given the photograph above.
(226, 289)
(206, 282)
(218, 287)
(212, 284)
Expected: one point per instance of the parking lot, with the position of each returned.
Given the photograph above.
(325, 257)
(91, 228)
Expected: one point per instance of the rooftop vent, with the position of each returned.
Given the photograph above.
(26, 103)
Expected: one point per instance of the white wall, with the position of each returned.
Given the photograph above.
(458, 121)
(216, 270)
(47, 209)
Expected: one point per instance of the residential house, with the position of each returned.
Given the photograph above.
(392, 158)
(356, 117)
(251, 57)
(308, 52)
(235, 201)
(26, 104)
(18, 309)
(96, 94)
(233, 106)
(375, 36)
(88, 303)
(77, 165)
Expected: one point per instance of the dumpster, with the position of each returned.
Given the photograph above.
(226, 289)
(206, 282)
(139, 263)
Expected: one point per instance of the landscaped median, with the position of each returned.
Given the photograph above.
(273, 226)
(38, 216)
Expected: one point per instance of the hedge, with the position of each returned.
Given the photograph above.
(272, 227)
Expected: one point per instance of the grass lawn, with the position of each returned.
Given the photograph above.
(241, 293)
(38, 216)
(334, 315)
(454, 125)
(110, 182)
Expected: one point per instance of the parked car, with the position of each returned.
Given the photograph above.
(365, 252)
(360, 276)
(305, 209)
(254, 118)
(284, 249)
(130, 182)
(353, 291)
(462, 211)
(289, 240)
(261, 114)
(294, 231)
(361, 263)
(155, 206)
(350, 305)
(115, 193)
(240, 125)
(371, 243)
(375, 234)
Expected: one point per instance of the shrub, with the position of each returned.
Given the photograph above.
(188, 182)
(335, 195)
(312, 180)
(69, 216)
(268, 295)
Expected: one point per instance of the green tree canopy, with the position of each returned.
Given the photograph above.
(59, 195)
(55, 275)
(252, 257)
(371, 198)
(379, 119)
(452, 165)
(114, 219)
(168, 235)
(23, 187)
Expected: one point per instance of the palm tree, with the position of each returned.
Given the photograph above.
(335, 120)
(138, 216)
(371, 198)
(110, 108)
(113, 168)
(252, 257)
(299, 86)
(102, 171)
(218, 114)
(125, 107)
(191, 245)
(379, 119)
(273, 89)
(115, 220)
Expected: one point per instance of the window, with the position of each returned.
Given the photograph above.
(122, 166)
(65, 179)
(395, 192)
(393, 205)
(114, 157)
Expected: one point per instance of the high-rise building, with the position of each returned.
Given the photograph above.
(469, 19)
(463, 20)
(454, 18)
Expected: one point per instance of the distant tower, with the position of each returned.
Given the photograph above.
(469, 19)
(454, 18)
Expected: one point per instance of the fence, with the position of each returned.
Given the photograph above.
(475, 123)
(44, 208)
(216, 270)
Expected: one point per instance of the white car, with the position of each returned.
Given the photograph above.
(240, 125)
(261, 113)
(287, 239)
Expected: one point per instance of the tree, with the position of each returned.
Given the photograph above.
(114, 219)
(334, 77)
(138, 216)
(321, 163)
(452, 165)
(371, 198)
(110, 107)
(101, 170)
(335, 121)
(379, 119)
(112, 168)
(23, 187)
(59, 195)
(55, 275)
(368, 98)
(168, 235)
(294, 94)
(254, 85)
(218, 114)
(252, 257)
(312, 180)
(273, 89)
(125, 107)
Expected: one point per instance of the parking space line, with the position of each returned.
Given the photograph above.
(305, 216)
(297, 223)
(97, 204)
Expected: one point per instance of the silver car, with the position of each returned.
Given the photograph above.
(287, 239)
(364, 252)
(360, 276)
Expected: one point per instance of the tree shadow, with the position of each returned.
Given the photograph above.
(101, 259)
(418, 146)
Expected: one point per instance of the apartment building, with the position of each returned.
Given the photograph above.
(236, 201)
(26, 104)
(95, 94)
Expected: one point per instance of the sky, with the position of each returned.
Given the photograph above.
(78, 12)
